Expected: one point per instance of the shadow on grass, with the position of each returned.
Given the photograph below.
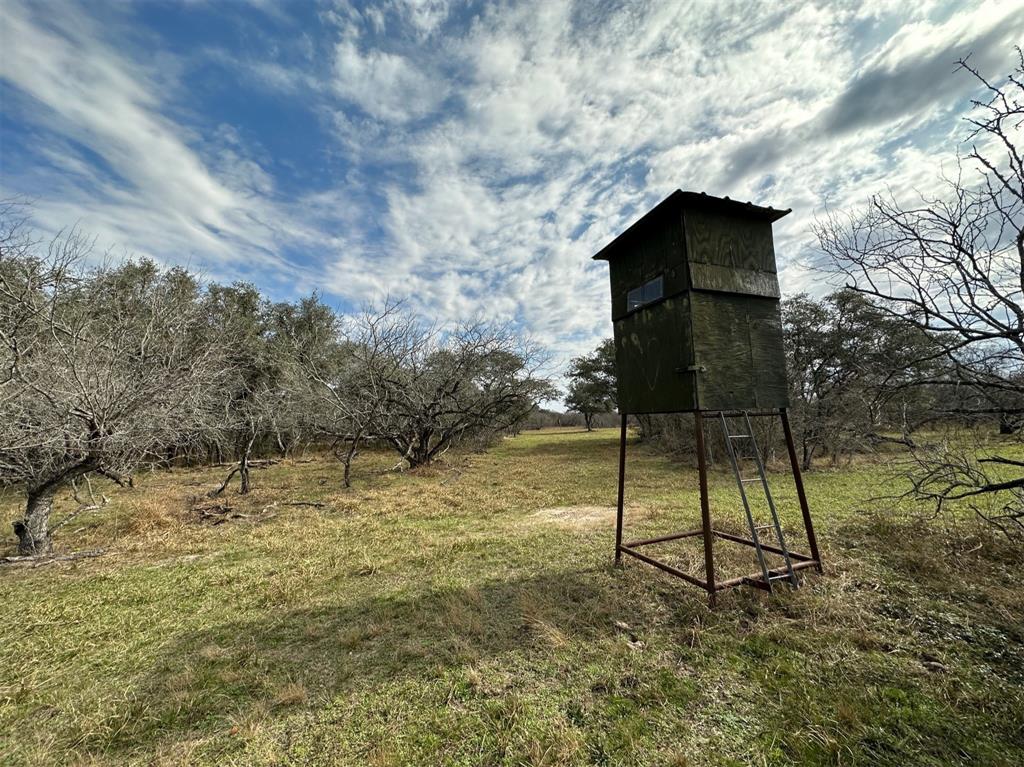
(207, 681)
(603, 447)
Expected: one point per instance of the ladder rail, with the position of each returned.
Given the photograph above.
(746, 504)
(771, 501)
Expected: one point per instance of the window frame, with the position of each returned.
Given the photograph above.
(643, 288)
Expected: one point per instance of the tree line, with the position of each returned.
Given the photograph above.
(109, 366)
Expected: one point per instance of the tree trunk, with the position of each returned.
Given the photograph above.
(346, 457)
(420, 452)
(588, 419)
(808, 456)
(243, 472)
(418, 456)
(243, 464)
(34, 530)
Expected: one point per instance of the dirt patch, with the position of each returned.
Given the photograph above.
(583, 516)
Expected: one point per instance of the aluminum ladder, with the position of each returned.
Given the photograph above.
(769, 575)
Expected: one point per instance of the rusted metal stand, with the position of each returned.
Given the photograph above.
(706, 530)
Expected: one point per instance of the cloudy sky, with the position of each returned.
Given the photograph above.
(469, 156)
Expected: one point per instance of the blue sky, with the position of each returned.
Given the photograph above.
(470, 157)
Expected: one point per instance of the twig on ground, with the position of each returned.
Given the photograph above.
(217, 513)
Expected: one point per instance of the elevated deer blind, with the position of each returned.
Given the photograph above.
(695, 309)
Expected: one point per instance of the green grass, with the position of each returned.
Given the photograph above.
(435, 618)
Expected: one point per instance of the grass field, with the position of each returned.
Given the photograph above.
(469, 614)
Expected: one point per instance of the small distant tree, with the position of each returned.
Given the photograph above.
(103, 367)
(592, 383)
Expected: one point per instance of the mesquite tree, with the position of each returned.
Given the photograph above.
(103, 367)
(385, 375)
(253, 398)
(592, 383)
(431, 387)
(952, 265)
(850, 365)
(329, 370)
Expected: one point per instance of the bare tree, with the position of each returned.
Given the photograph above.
(430, 387)
(103, 366)
(953, 265)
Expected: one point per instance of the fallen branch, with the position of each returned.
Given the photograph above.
(36, 560)
(216, 513)
(275, 504)
(224, 484)
(219, 512)
(257, 464)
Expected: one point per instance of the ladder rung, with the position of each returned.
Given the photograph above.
(779, 577)
(765, 527)
(750, 479)
(739, 436)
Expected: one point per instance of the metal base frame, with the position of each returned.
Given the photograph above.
(706, 531)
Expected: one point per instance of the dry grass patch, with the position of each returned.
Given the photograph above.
(584, 516)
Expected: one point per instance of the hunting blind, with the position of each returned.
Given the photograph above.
(695, 310)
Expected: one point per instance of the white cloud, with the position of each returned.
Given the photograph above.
(569, 121)
(157, 189)
(384, 85)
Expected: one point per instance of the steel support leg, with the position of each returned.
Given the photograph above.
(622, 489)
(705, 508)
(812, 540)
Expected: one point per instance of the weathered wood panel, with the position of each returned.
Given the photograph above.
(626, 274)
(650, 250)
(730, 254)
(768, 353)
(727, 280)
(738, 346)
(722, 341)
(654, 357)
